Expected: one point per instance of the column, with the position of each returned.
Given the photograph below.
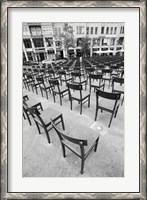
(24, 49)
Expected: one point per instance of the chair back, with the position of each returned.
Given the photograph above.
(118, 80)
(106, 71)
(74, 86)
(54, 82)
(36, 115)
(66, 137)
(107, 95)
(95, 76)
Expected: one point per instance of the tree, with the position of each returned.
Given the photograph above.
(67, 37)
(85, 46)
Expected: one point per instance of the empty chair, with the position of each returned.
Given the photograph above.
(44, 87)
(30, 81)
(107, 75)
(31, 103)
(80, 139)
(108, 102)
(58, 89)
(42, 119)
(78, 79)
(64, 77)
(96, 81)
(118, 86)
(76, 93)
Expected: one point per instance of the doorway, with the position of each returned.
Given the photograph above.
(41, 56)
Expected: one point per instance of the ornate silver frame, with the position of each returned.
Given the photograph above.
(4, 99)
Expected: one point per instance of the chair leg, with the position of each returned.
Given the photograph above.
(60, 100)
(95, 148)
(110, 119)
(38, 128)
(96, 112)
(29, 119)
(54, 97)
(24, 116)
(47, 135)
(89, 102)
(41, 93)
(80, 107)
(36, 91)
(63, 149)
(122, 101)
(82, 165)
(46, 95)
(71, 104)
(62, 122)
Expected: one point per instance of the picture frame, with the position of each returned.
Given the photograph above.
(5, 5)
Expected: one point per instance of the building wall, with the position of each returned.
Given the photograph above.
(45, 42)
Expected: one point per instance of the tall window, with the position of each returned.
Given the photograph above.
(87, 30)
(49, 42)
(122, 29)
(59, 30)
(79, 29)
(102, 30)
(96, 30)
(111, 32)
(29, 54)
(58, 43)
(115, 30)
(35, 30)
(27, 43)
(91, 30)
(55, 31)
(38, 42)
(112, 41)
(107, 30)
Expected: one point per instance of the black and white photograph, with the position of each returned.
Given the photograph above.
(73, 99)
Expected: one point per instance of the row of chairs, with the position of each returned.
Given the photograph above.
(80, 141)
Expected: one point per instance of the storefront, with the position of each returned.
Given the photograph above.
(71, 52)
(78, 52)
(59, 54)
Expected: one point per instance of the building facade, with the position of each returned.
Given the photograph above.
(42, 41)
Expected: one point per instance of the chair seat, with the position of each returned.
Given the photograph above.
(106, 77)
(62, 89)
(107, 103)
(31, 102)
(83, 132)
(47, 85)
(66, 79)
(77, 80)
(76, 94)
(95, 84)
(119, 87)
(49, 113)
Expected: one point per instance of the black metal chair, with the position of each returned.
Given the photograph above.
(81, 140)
(108, 102)
(76, 93)
(58, 90)
(29, 103)
(107, 75)
(118, 86)
(78, 79)
(96, 81)
(42, 119)
(44, 87)
(64, 77)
